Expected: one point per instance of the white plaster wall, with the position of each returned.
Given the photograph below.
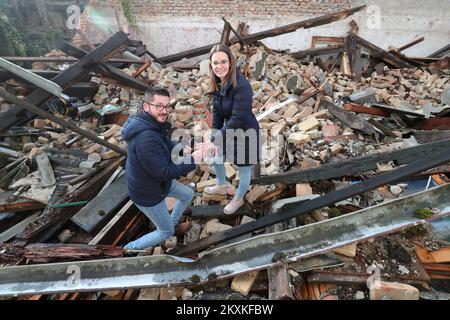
(400, 22)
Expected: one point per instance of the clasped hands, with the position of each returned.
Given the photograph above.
(203, 151)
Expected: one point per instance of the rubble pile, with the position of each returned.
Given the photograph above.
(325, 128)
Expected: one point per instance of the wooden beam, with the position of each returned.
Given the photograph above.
(440, 52)
(105, 51)
(278, 277)
(17, 205)
(48, 74)
(101, 207)
(106, 69)
(65, 60)
(347, 118)
(441, 123)
(142, 68)
(56, 252)
(328, 277)
(241, 41)
(412, 43)
(318, 51)
(355, 166)
(225, 38)
(280, 287)
(380, 53)
(18, 227)
(367, 110)
(21, 206)
(244, 282)
(385, 130)
(65, 124)
(427, 162)
(216, 211)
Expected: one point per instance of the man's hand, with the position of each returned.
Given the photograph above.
(187, 150)
(210, 147)
(199, 154)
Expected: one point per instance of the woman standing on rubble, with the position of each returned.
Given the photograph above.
(235, 135)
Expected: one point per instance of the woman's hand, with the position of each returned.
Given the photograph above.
(187, 150)
(199, 154)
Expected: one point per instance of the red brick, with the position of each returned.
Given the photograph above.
(383, 290)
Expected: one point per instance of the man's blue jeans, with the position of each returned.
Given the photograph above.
(160, 217)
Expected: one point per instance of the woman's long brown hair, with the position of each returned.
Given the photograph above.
(231, 76)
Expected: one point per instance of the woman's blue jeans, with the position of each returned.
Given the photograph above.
(160, 217)
(245, 176)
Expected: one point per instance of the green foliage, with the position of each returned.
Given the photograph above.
(334, 212)
(13, 33)
(11, 36)
(425, 213)
(129, 14)
(195, 278)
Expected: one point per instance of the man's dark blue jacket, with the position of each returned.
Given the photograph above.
(232, 109)
(149, 168)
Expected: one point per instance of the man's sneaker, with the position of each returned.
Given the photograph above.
(233, 206)
(217, 189)
(182, 228)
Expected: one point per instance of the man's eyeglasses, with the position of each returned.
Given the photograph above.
(160, 107)
(216, 63)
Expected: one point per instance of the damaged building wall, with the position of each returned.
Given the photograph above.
(190, 25)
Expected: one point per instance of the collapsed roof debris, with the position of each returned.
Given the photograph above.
(362, 139)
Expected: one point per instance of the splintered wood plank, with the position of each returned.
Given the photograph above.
(100, 208)
(280, 287)
(271, 194)
(440, 179)
(75, 296)
(437, 267)
(131, 294)
(367, 110)
(347, 118)
(311, 292)
(316, 290)
(348, 251)
(424, 255)
(304, 291)
(64, 296)
(49, 252)
(130, 224)
(18, 228)
(17, 205)
(243, 282)
(441, 256)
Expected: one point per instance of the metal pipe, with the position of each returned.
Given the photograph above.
(256, 253)
(33, 78)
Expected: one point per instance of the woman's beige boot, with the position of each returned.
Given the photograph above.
(217, 189)
(233, 206)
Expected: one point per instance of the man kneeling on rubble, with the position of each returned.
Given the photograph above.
(151, 172)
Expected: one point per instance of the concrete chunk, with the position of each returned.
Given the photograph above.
(309, 124)
(299, 138)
